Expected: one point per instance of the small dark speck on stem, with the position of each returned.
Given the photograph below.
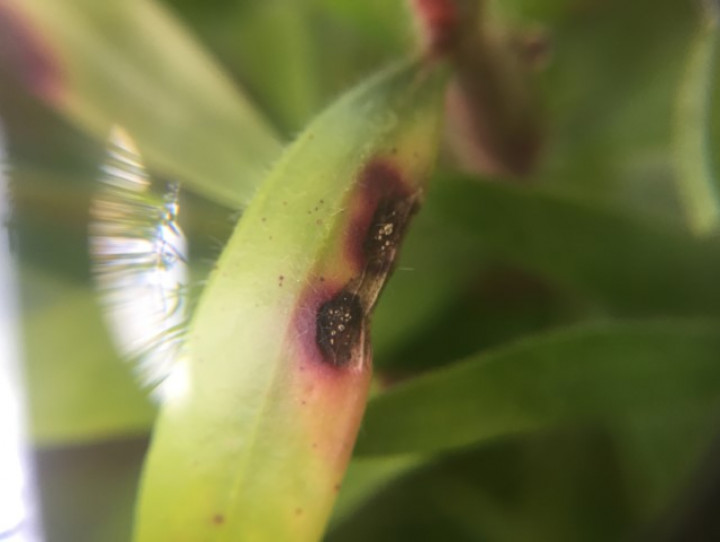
(218, 519)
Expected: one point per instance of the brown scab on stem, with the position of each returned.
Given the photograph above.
(218, 519)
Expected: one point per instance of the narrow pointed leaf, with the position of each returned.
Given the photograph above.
(259, 421)
(594, 373)
(628, 265)
(130, 63)
(697, 183)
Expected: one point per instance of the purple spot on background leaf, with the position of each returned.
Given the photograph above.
(25, 53)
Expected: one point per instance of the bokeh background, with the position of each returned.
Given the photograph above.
(580, 291)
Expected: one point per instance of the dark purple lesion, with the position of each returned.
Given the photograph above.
(340, 325)
(336, 314)
(385, 233)
(380, 209)
(312, 323)
(27, 54)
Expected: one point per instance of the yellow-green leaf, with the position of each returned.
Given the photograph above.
(131, 63)
(260, 417)
(592, 373)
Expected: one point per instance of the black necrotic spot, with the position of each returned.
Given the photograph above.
(339, 327)
(385, 233)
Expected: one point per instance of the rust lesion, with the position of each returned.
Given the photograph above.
(381, 209)
(386, 231)
(340, 324)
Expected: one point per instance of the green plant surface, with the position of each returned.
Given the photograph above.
(609, 93)
(633, 266)
(530, 488)
(544, 356)
(90, 397)
(365, 477)
(596, 373)
(323, 47)
(131, 63)
(697, 180)
(90, 470)
(285, 402)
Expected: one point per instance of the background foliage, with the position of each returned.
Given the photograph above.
(565, 326)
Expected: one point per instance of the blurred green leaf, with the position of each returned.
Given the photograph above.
(452, 292)
(294, 56)
(87, 492)
(560, 487)
(697, 182)
(130, 63)
(593, 373)
(436, 264)
(628, 265)
(78, 388)
(365, 477)
(660, 451)
(608, 92)
(276, 51)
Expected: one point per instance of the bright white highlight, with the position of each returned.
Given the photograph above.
(139, 261)
(18, 521)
